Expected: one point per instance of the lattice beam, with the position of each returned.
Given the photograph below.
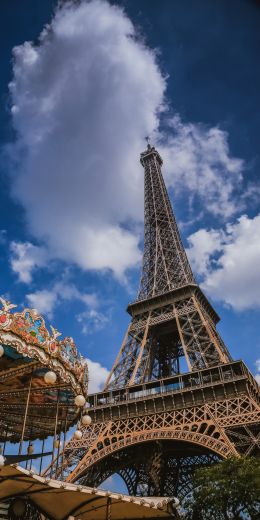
(156, 441)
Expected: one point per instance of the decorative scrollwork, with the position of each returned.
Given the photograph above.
(27, 332)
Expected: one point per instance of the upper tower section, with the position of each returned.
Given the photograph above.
(165, 263)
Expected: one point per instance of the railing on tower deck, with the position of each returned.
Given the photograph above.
(234, 371)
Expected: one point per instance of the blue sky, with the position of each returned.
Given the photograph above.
(77, 100)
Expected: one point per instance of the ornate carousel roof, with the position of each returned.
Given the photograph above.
(28, 350)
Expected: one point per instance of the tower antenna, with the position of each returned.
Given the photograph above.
(148, 141)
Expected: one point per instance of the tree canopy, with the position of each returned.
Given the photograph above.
(228, 490)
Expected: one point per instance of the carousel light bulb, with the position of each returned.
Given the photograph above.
(80, 400)
(2, 350)
(86, 420)
(50, 377)
(78, 435)
(86, 405)
(2, 460)
(30, 449)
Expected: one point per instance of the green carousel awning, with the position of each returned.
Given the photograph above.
(61, 501)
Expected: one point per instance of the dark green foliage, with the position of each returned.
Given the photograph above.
(229, 490)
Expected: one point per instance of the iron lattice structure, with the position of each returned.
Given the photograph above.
(153, 424)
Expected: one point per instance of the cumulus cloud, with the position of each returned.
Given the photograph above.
(92, 321)
(198, 161)
(83, 99)
(25, 258)
(97, 376)
(45, 300)
(257, 376)
(81, 110)
(202, 246)
(228, 261)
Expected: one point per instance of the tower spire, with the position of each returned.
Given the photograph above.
(165, 263)
(171, 317)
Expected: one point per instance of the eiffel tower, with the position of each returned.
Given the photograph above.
(156, 421)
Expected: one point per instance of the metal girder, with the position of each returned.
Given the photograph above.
(153, 425)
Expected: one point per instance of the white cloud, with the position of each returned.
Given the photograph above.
(203, 245)
(257, 376)
(81, 109)
(83, 100)
(97, 376)
(25, 257)
(46, 300)
(43, 301)
(68, 291)
(198, 161)
(92, 321)
(229, 262)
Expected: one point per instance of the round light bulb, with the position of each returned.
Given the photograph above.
(2, 460)
(50, 377)
(80, 400)
(78, 435)
(2, 350)
(86, 420)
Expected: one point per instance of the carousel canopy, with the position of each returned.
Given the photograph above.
(60, 500)
(34, 360)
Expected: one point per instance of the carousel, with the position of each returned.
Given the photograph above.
(43, 388)
(43, 401)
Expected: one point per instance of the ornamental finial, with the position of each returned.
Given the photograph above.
(55, 332)
(7, 306)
